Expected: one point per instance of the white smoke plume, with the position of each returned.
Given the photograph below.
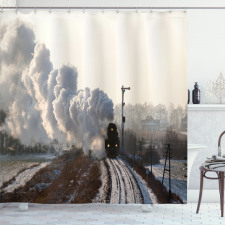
(44, 103)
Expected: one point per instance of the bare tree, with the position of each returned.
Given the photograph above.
(160, 112)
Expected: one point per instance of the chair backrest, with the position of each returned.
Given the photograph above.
(219, 143)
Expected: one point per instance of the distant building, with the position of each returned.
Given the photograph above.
(151, 124)
(11, 150)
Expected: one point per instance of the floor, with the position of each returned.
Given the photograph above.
(17, 213)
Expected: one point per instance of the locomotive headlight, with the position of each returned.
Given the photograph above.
(116, 145)
(111, 129)
(108, 145)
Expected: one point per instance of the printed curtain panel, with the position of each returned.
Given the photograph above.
(93, 107)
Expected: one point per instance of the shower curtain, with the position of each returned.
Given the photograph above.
(93, 107)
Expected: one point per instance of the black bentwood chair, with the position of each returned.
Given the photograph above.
(219, 170)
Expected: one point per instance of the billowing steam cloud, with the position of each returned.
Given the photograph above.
(45, 104)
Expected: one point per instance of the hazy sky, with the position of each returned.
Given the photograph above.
(147, 52)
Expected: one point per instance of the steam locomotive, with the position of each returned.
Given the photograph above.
(112, 143)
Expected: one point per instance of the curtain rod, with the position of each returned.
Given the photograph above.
(108, 7)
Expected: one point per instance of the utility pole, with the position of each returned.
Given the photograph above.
(123, 117)
(133, 146)
(140, 148)
(151, 149)
(168, 156)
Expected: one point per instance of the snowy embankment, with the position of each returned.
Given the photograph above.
(22, 178)
(148, 196)
(178, 179)
(102, 194)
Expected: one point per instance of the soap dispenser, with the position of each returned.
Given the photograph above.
(196, 94)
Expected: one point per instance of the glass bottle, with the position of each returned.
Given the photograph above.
(196, 94)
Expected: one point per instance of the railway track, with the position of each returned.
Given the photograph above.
(127, 172)
(117, 181)
(124, 188)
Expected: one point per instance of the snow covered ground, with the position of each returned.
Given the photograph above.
(101, 196)
(22, 178)
(178, 179)
(10, 166)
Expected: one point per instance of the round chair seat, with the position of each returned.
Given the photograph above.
(219, 167)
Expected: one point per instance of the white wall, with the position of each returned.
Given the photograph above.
(206, 48)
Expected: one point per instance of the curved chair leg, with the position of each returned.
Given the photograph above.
(219, 180)
(200, 191)
(222, 193)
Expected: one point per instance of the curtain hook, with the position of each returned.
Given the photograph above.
(1, 9)
(50, 10)
(68, 9)
(83, 9)
(136, 10)
(35, 10)
(151, 10)
(102, 9)
(117, 10)
(16, 9)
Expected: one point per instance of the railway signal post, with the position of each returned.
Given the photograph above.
(123, 117)
(1, 196)
(140, 148)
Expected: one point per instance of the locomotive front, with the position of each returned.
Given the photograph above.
(112, 143)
